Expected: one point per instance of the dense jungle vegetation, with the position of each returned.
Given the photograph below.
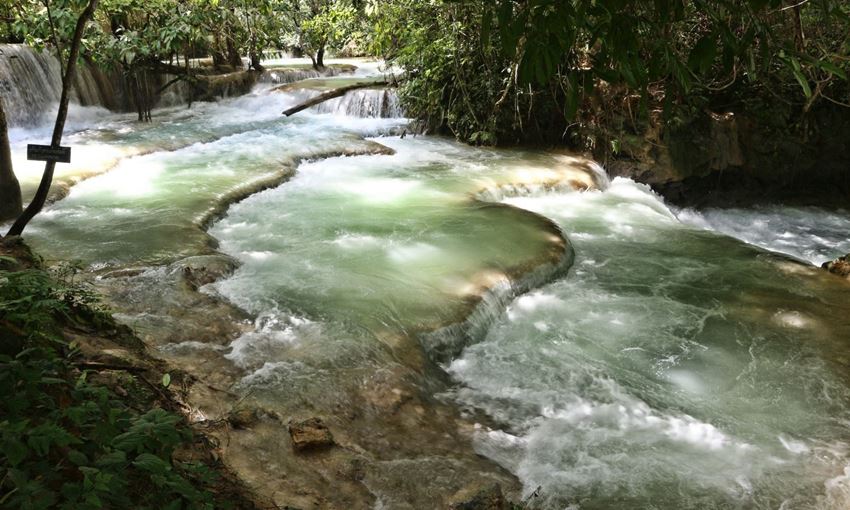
(508, 71)
(493, 72)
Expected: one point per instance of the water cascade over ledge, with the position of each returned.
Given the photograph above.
(32, 83)
(380, 103)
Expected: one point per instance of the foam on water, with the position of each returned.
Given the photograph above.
(349, 232)
(806, 233)
(659, 372)
(165, 175)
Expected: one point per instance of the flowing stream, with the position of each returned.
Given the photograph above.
(666, 365)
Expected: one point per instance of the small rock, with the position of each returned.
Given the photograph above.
(487, 498)
(310, 434)
(128, 272)
(242, 418)
(839, 266)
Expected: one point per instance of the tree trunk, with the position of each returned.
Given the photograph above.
(217, 54)
(320, 59)
(255, 61)
(10, 190)
(233, 57)
(40, 197)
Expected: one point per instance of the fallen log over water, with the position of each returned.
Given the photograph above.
(331, 94)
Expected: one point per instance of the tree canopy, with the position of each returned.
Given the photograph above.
(488, 70)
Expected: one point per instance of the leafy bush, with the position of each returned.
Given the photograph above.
(33, 302)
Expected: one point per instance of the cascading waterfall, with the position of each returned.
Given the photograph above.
(32, 83)
(375, 103)
(274, 76)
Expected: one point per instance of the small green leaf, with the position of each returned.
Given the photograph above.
(151, 463)
(832, 69)
(77, 458)
(800, 77)
(703, 54)
(111, 459)
(15, 451)
(166, 380)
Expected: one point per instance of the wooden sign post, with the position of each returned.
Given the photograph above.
(48, 153)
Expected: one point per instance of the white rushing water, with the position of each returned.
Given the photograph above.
(806, 233)
(31, 83)
(672, 367)
(666, 370)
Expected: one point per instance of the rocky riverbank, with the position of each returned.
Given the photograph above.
(737, 156)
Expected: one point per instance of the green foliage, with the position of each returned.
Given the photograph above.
(453, 77)
(498, 69)
(67, 443)
(317, 25)
(34, 301)
(330, 26)
(140, 36)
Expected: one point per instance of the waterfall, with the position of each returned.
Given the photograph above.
(31, 82)
(371, 103)
(290, 75)
(176, 94)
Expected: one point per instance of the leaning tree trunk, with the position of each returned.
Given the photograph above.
(40, 197)
(319, 64)
(10, 189)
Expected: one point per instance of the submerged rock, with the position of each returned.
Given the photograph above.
(310, 434)
(486, 498)
(128, 272)
(242, 418)
(839, 266)
(201, 270)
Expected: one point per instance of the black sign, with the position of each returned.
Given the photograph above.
(48, 153)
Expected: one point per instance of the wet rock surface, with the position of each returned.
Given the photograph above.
(839, 266)
(487, 498)
(242, 418)
(391, 441)
(201, 270)
(310, 434)
(738, 158)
